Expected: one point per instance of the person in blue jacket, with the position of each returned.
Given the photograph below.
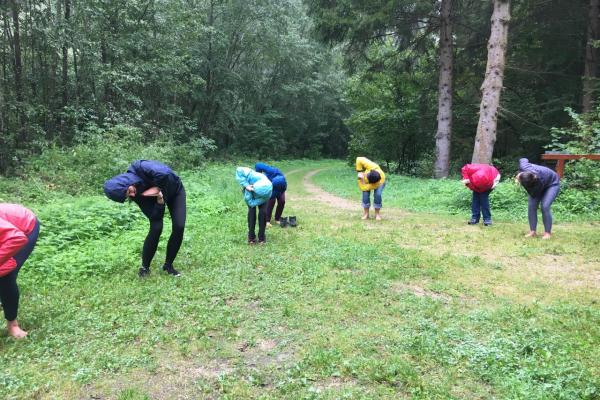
(257, 189)
(542, 184)
(279, 187)
(152, 185)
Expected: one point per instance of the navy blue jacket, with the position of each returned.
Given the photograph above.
(144, 174)
(546, 176)
(275, 176)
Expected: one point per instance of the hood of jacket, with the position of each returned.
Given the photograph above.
(116, 187)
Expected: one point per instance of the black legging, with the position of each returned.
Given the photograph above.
(262, 222)
(280, 205)
(177, 209)
(9, 291)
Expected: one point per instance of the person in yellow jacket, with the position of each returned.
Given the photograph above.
(370, 178)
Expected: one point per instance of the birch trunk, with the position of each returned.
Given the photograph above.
(444, 118)
(492, 84)
(591, 58)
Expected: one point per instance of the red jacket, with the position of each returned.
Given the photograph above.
(16, 222)
(481, 176)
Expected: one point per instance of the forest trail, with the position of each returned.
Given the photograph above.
(546, 264)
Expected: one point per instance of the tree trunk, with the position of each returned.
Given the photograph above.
(444, 118)
(492, 84)
(65, 57)
(18, 65)
(591, 57)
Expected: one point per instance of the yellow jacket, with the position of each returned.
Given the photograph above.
(365, 165)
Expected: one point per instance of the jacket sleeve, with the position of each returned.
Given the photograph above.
(157, 176)
(525, 165)
(360, 164)
(466, 171)
(241, 176)
(363, 164)
(12, 240)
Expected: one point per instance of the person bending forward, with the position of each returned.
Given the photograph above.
(19, 230)
(152, 185)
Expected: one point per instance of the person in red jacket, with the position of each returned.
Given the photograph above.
(481, 179)
(19, 229)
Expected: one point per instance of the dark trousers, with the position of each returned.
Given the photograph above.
(262, 221)
(279, 210)
(177, 210)
(481, 205)
(544, 202)
(9, 291)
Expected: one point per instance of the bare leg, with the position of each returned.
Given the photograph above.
(531, 234)
(377, 215)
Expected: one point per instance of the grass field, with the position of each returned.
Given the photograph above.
(418, 305)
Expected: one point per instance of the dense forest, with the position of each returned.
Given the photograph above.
(401, 81)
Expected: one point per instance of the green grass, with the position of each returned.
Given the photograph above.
(449, 196)
(337, 308)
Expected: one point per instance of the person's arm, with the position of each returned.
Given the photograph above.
(525, 165)
(465, 172)
(242, 176)
(360, 166)
(364, 164)
(12, 240)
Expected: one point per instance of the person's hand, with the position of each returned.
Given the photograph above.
(361, 177)
(160, 199)
(250, 188)
(517, 181)
(465, 181)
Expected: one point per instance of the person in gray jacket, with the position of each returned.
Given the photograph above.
(542, 184)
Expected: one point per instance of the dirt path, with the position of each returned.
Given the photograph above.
(319, 194)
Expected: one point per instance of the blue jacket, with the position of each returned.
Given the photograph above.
(143, 174)
(275, 176)
(546, 175)
(262, 186)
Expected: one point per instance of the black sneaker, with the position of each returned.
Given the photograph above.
(144, 272)
(473, 222)
(283, 222)
(293, 222)
(170, 270)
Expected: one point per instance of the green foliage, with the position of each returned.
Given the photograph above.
(390, 114)
(246, 74)
(581, 137)
(98, 155)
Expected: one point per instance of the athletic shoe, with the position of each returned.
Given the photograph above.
(170, 270)
(487, 223)
(251, 240)
(144, 272)
(283, 222)
(473, 222)
(262, 241)
(293, 222)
